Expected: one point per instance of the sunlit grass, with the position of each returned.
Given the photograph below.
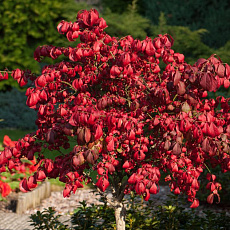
(16, 134)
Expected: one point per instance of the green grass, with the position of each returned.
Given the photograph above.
(61, 184)
(57, 182)
(14, 134)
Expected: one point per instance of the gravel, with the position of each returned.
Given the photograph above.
(66, 206)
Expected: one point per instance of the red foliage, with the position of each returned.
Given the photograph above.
(8, 142)
(15, 167)
(4, 189)
(128, 117)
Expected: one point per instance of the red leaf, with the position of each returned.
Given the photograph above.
(102, 23)
(127, 165)
(102, 184)
(179, 57)
(213, 131)
(41, 81)
(208, 82)
(205, 128)
(96, 46)
(205, 145)
(11, 164)
(87, 135)
(140, 188)
(81, 135)
(210, 198)
(3, 158)
(40, 175)
(4, 77)
(195, 204)
(156, 121)
(75, 35)
(8, 142)
(126, 59)
(98, 133)
(100, 171)
(115, 70)
(227, 71)
(226, 83)
(153, 189)
(8, 153)
(220, 70)
(67, 190)
(72, 120)
(132, 135)
(78, 159)
(23, 186)
(132, 179)
(5, 189)
(146, 195)
(93, 17)
(177, 77)
(139, 155)
(150, 50)
(32, 183)
(110, 167)
(177, 191)
(195, 184)
(32, 100)
(181, 89)
(177, 149)
(90, 157)
(51, 136)
(174, 167)
(16, 74)
(49, 165)
(110, 145)
(43, 95)
(167, 145)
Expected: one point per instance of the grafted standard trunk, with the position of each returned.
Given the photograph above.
(120, 212)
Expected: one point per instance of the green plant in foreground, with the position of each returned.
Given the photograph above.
(47, 220)
(140, 215)
(96, 217)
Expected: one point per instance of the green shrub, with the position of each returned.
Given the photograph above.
(14, 111)
(146, 215)
(47, 220)
(213, 16)
(25, 24)
(129, 22)
(187, 41)
(140, 215)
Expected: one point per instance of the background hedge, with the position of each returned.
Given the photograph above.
(14, 111)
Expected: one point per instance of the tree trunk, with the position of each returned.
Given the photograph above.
(120, 216)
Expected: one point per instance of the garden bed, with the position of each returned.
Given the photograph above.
(20, 202)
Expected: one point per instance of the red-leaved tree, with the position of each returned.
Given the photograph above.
(128, 116)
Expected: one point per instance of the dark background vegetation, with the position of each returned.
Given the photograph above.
(200, 28)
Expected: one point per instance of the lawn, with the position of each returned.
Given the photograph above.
(16, 134)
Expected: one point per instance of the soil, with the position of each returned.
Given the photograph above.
(9, 204)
